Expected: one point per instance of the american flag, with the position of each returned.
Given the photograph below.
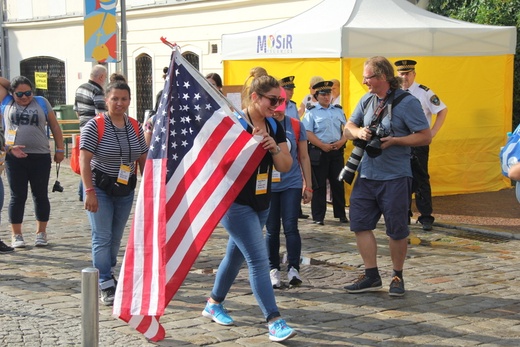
(200, 158)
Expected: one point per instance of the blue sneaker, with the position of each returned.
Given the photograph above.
(217, 313)
(280, 331)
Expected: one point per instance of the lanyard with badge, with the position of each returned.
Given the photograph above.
(10, 137)
(262, 178)
(124, 170)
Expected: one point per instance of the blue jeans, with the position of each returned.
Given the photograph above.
(108, 225)
(284, 205)
(246, 241)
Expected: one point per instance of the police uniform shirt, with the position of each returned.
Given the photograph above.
(291, 110)
(430, 102)
(325, 123)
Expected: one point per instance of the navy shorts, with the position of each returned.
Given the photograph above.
(370, 199)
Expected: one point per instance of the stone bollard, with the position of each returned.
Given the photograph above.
(89, 307)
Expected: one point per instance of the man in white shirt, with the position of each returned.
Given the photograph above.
(431, 104)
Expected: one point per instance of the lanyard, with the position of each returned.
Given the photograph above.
(127, 139)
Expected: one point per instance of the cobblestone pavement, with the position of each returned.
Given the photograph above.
(462, 290)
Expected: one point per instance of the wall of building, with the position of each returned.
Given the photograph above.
(54, 28)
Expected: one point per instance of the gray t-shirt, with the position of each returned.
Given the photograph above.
(30, 124)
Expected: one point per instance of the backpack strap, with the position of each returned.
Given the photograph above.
(296, 127)
(100, 121)
(43, 105)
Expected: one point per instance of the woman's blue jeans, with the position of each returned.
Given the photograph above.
(246, 241)
(285, 205)
(108, 225)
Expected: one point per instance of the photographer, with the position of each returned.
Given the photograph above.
(324, 124)
(384, 182)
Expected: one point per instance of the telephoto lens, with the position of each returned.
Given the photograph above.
(348, 172)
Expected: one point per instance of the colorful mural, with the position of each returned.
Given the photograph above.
(100, 28)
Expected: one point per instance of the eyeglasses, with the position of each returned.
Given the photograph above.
(20, 94)
(369, 77)
(275, 101)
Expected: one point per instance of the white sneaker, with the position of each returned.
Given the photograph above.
(17, 241)
(41, 239)
(275, 278)
(294, 277)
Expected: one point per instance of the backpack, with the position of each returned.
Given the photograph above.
(245, 125)
(100, 121)
(296, 127)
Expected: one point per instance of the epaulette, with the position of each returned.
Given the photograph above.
(310, 107)
(338, 106)
(424, 87)
(292, 102)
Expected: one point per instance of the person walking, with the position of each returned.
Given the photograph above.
(384, 182)
(90, 101)
(246, 240)
(324, 124)
(431, 104)
(28, 160)
(111, 144)
(287, 192)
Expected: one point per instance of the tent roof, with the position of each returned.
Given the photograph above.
(361, 28)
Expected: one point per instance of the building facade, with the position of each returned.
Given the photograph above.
(48, 36)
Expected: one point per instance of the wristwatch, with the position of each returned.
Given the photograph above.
(278, 150)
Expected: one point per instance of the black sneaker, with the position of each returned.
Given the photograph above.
(5, 248)
(364, 284)
(396, 287)
(107, 296)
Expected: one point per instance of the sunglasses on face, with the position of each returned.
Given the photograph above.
(20, 94)
(275, 101)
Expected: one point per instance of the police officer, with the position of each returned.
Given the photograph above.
(324, 124)
(431, 104)
(291, 109)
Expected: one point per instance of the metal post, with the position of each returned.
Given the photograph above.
(89, 307)
(124, 62)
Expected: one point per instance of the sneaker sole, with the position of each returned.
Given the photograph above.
(279, 339)
(18, 246)
(295, 282)
(364, 290)
(6, 252)
(210, 316)
(41, 244)
(396, 294)
(107, 303)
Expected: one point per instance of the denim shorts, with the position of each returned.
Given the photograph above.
(370, 199)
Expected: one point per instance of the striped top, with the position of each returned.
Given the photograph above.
(117, 146)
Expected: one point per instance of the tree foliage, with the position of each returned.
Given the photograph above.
(491, 12)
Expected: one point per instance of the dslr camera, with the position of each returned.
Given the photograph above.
(57, 187)
(372, 147)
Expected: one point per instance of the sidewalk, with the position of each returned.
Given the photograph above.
(461, 289)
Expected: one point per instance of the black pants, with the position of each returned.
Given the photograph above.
(329, 168)
(421, 183)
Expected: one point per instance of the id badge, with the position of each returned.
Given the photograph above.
(11, 136)
(124, 174)
(277, 176)
(261, 183)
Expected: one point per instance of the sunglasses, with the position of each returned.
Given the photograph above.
(20, 94)
(275, 101)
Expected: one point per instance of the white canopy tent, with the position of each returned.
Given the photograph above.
(361, 28)
(469, 66)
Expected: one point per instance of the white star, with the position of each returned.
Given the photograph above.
(188, 119)
(184, 143)
(174, 157)
(196, 96)
(185, 96)
(197, 107)
(198, 118)
(184, 132)
(173, 133)
(187, 84)
(208, 107)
